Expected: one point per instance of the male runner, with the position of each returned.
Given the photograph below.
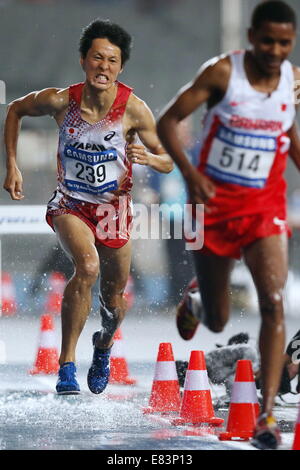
(91, 209)
(248, 127)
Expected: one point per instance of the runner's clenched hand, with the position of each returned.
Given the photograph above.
(14, 184)
(138, 154)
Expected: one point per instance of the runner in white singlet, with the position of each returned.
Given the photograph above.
(248, 129)
(98, 121)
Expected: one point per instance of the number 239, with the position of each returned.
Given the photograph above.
(88, 173)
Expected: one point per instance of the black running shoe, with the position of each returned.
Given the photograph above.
(266, 433)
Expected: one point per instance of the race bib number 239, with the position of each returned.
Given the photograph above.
(89, 172)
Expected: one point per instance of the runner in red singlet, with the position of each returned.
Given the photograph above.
(90, 210)
(247, 132)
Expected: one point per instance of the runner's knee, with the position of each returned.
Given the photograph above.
(88, 269)
(271, 306)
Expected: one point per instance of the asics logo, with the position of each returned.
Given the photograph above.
(110, 136)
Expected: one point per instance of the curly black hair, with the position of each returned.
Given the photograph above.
(275, 11)
(105, 29)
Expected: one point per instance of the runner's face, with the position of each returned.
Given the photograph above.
(102, 64)
(272, 43)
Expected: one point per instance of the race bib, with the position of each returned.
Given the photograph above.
(242, 159)
(92, 173)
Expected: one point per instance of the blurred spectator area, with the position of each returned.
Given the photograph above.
(39, 43)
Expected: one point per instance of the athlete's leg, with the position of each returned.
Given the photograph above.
(267, 261)
(114, 272)
(77, 240)
(213, 273)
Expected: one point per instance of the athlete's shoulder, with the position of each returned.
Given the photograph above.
(296, 71)
(136, 107)
(56, 98)
(217, 65)
(134, 100)
(125, 88)
(214, 74)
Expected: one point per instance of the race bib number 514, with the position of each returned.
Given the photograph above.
(241, 159)
(88, 172)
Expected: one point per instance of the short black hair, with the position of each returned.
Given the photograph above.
(275, 11)
(105, 29)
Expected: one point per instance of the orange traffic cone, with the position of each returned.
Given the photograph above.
(196, 407)
(9, 306)
(296, 444)
(57, 282)
(244, 407)
(119, 373)
(47, 356)
(165, 393)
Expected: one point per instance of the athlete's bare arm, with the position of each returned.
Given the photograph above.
(294, 151)
(297, 85)
(141, 122)
(51, 101)
(294, 132)
(209, 87)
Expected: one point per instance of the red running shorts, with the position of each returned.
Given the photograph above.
(228, 238)
(110, 222)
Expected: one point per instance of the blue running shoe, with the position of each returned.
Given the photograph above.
(67, 383)
(98, 373)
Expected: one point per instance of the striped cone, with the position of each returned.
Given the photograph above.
(119, 373)
(196, 407)
(9, 306)
(47, 355)
(296, 444)
(165, 393)
(244, 407)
